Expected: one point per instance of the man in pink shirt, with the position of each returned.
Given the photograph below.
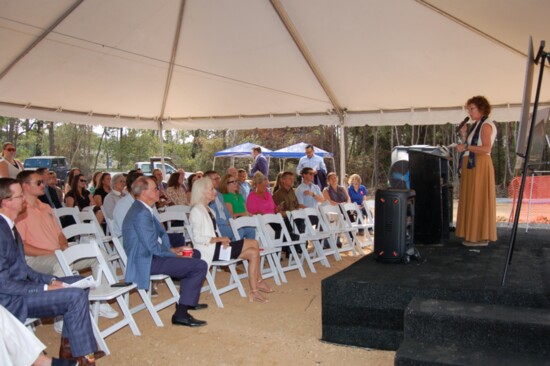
(40, 231)
(42, 235)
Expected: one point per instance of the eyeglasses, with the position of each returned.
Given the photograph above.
(14, 197)
(231, 182)
(82, 180)
(11, 149)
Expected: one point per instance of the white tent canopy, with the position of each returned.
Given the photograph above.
(240, 64)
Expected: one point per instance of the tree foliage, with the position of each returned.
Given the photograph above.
(368, 149)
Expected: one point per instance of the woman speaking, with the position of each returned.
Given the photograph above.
(476, 218)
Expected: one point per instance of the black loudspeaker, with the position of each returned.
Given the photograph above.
(430, 178)
(394, 225)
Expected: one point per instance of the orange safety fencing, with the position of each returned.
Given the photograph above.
(535, 205)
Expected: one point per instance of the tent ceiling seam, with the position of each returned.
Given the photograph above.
(471, 27)
(299, 42)
(40, 38)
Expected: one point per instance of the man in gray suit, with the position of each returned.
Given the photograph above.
(30, 294)
(149, 252)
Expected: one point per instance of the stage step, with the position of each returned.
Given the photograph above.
(487, 332)
(414, 353)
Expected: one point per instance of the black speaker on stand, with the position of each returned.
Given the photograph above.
(394, 225)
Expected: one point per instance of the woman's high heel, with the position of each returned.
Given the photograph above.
(255, 296)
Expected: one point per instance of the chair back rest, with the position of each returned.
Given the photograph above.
(242, 222)
(66, 211)
(299, 214)
(333, 217)
(269, 233)
(88, 217)
(322, 225)
(182, 209)
(82, 233)
(83, 251)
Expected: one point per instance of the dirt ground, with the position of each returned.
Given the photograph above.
(286, 331)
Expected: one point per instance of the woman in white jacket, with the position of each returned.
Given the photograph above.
(205, 239)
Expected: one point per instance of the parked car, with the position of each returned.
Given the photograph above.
(155, 163)
(57, 164)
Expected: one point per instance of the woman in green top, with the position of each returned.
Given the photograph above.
(229, 188)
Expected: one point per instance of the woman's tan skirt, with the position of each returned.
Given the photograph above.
(476, 218)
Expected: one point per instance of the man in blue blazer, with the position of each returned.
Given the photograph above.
(260, 162)
(149, 252)
(30, 294)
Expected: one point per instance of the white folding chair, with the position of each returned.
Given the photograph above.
(85, 233)
(102, 291)
(182, 212)
(339, 226)
(361, 222)
(146, 295)
(168, 218)
(272, 254)
(314, 234)
(234, 277)
(284, 240)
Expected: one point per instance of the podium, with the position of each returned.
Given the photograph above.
(431, 180)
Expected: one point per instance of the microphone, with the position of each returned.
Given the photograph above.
(459, 127)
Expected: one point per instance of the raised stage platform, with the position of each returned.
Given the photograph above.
(365, 304)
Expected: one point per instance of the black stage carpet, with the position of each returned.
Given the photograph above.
(364, 304)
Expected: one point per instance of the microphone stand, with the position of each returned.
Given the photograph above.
(541, 56)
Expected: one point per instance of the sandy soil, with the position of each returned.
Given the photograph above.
(286, 331)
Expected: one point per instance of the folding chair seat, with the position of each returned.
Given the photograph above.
(361, 222)
(284, 240)
(146, 295)
(234, 278)
(102, 290)
(339, 226)
(272, 254)
(308, 231)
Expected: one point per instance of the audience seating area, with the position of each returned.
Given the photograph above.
(317, 234)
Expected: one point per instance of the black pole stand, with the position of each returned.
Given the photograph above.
(541, 57)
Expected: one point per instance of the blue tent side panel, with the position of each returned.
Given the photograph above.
(297, 151)
(242, 150)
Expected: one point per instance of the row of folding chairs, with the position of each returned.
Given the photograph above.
(321, 227)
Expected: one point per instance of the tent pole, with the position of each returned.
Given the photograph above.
(342, 152)
(163, 167)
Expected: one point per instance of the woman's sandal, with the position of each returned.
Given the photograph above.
(263, 287)
(255, 296)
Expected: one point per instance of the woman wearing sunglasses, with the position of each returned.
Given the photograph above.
(9, 166)
(229, 188)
